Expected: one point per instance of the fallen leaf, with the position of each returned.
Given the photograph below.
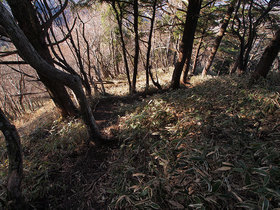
(138, 174)
(224, 168)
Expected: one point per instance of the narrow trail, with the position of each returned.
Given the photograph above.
(106, 112)
(88, 167)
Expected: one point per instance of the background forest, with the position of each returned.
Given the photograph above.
(139, 104)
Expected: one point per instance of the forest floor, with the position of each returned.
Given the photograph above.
(213, 145)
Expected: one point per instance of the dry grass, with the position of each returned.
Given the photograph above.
(42, 116)
(47, 142)
(210, 147)
(120, 86)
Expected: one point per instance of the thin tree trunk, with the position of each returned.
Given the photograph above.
(186, 45)
(136, 41)
(147, 66)
(14, 150)
(219, 38)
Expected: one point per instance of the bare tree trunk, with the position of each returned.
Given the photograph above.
(269, 55)
(147, 66)
(186, 45)
(114, 54)
(137, 49)
(30, 55)
(88, 57)
(21, 89)
(14, 196)
(219, 38)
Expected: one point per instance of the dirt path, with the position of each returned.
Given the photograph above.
(90, 166)
(107, 112)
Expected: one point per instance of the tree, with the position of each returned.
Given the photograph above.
(186, 45)
(147, 65)
(25, 14)
(14, 197)
(31, 56)
(245, 26)
(198, 48)
(269, 55)
(137, 47)
(219, 37)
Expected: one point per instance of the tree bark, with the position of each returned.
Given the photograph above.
(269, 55)
(137, 48)
(186, 45)
(25, 14)
(147, 66)
(30, 55)
(14, 196)
(219, 38)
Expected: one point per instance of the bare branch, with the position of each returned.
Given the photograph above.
(25, 94)
(21, 72)
(13, 62)
(7, 53)
(65, 36)
(208, 4)
(49, 22)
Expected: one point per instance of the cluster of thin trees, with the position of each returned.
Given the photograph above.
(72, 46)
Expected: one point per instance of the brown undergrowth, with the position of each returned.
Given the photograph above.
(213, 145)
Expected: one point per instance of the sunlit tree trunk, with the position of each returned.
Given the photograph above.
(186, 45)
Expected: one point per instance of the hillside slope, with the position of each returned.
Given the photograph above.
(213, 145)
